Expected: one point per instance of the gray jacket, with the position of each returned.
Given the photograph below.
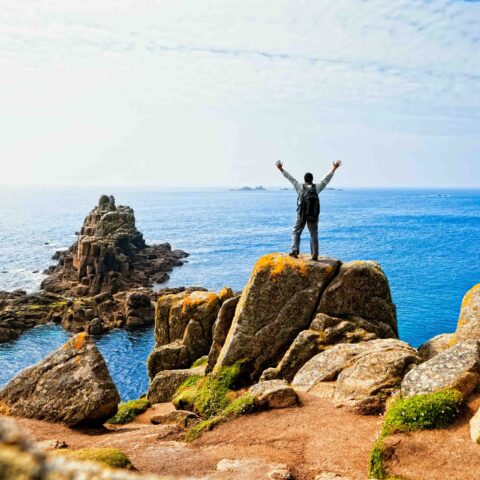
(301, 187)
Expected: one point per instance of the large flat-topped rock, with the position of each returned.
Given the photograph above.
(278, 302)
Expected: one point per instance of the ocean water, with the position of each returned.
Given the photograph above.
(425, 240)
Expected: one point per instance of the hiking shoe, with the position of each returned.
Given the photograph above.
(294, 253)
(315, 258)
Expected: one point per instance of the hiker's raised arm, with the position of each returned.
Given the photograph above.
(326, 179)
(297, 185)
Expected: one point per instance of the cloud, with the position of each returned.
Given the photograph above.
(411, 66)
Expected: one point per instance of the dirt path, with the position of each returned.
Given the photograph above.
(314, 438)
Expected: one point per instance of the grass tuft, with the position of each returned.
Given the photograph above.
(376, 468)
(213, 398)
(200, 362)
(420, 412)
(107, 456)
(241, 406)
(129, 410)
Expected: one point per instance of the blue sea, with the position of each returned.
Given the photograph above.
(426, 241)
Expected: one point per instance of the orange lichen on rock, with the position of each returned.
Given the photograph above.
(472, 295)
(225, 293)
(278, 263)
(77, 342)
(196, 299)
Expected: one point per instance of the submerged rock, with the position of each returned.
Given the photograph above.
(458, 368)
(110, 255)
(278, 302)
(72, 386)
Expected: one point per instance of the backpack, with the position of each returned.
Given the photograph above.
(309, 204)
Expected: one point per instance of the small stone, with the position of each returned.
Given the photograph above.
(475, 427)
(182, 418)
(274, 394)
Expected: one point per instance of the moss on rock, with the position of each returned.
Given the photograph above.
(200, 362)
(129, 410)
(213, 397)
(241, 406)
(209, 395)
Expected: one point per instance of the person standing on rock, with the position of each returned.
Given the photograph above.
(308, 207)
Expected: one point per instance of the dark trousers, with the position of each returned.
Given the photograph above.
(297, 232)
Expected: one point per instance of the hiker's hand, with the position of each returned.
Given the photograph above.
(279, 165)
(337, 164)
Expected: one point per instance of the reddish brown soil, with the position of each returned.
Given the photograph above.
(444, 454)
(311, 439)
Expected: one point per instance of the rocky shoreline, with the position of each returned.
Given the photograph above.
(102, 281)
(300, 330)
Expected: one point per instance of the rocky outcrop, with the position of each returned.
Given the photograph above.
(361, 291)
(324, 332)
(110, 255)
(292, 309)
(365, 373)
(72, 386)
(278, 302)
(273, 394)
(20, 311)
(468, 327)
(458, 368)
(183, 329)
(368, 380)
(435, 345)
(166, 382)
(221, 328)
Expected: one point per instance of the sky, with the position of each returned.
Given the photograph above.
(210, 93)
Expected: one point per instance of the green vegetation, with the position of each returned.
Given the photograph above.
(432, 410)
(241, 406)
(213, 398)
(376, 468)
(106, 456)
(420, 412)
(210, 395)
(129, 410)
(200, 362)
